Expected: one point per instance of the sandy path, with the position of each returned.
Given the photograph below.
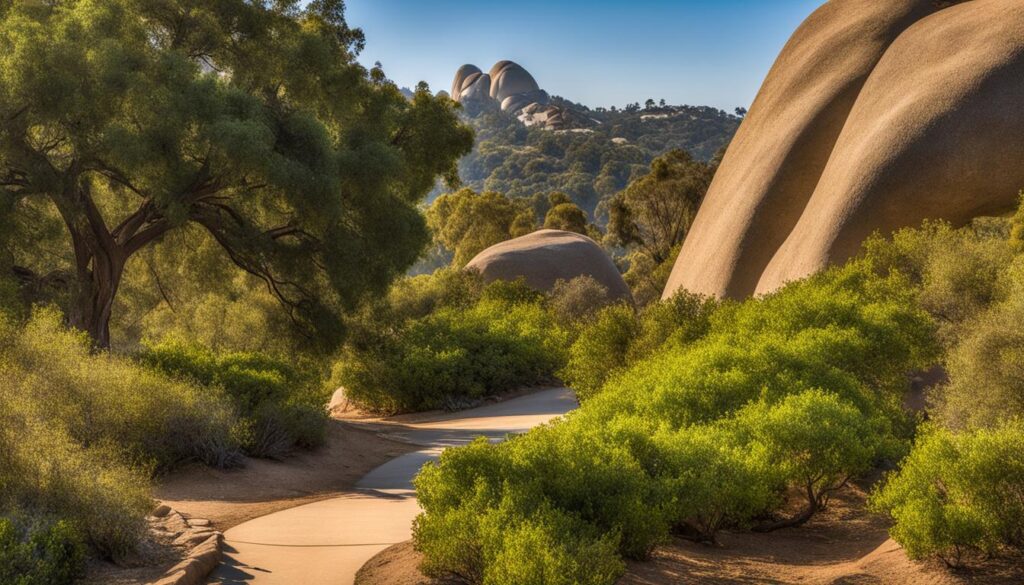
(326, 542)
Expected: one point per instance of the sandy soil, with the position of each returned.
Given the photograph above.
(844, 545)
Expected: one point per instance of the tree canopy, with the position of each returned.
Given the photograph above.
(655, 211)
(122, 120)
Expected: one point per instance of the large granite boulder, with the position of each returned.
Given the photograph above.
(459, 83)
(508, 79)
(776, 158)
(477, 89)
(876, 115)
(547, 256)
(937, 132)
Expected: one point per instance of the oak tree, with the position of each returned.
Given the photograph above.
(126, 119)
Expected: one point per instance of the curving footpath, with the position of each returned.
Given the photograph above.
(327, 542)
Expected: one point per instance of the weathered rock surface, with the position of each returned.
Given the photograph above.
(777, 157)
(547, 256)
(508, 79)
(511, 88)
(459, 83)
(937, 132)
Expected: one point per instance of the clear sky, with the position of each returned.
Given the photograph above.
(596, 52)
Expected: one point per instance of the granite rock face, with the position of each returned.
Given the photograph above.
(511, 88)
(876, 116)
(547, 256)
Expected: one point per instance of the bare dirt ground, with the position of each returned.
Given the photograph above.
(844, 545)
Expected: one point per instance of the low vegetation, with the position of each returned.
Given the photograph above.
(958, 495)
(715, 422)
(446, 340)
(280, 406)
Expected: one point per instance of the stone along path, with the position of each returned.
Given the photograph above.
(326, 542)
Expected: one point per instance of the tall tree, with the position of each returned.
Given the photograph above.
(131, 118)
(655, 212)
(465, 223)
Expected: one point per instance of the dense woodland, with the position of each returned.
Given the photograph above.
(211, 216)
(593, 163)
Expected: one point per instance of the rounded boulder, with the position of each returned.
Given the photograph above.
(776, 159)
(544, 257)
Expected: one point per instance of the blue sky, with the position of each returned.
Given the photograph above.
(597, 52)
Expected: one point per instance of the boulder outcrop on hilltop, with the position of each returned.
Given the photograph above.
(876, 116)
(510, 87)
(547, 256)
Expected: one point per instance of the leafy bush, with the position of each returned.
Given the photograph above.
(600, 350)
(455, 356)
(103, 398)
(817, 442)
(958, 494)
(281, 406)
(986, 366)
(956, 271)
(40, 555)
(733, 405)
(574, 302)
(46, 471)
(713, 479)
(618, 337)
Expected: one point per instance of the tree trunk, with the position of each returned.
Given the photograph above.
(813, 505)
(96, 298)
(99, 265)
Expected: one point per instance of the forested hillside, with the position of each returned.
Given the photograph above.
(589, 164)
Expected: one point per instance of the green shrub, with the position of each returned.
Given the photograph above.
(713, 480)
(816, 442)
(958, 494)
(104, 398)
(51, 554)
(575, 302)
(986, 366)
(717, 415)
(618, 337)
(600, 350)
(453, 357)
(44, 470)
(956, 272)
(281, 406)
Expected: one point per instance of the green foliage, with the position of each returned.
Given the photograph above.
(986, 367)
(816, 441)
(66, 462)
(466, 223)
(455, 355)
(956, 271)
(958, 494)
(281, 407)
(40, 555)
(1017, 228)
(712, 479)
(589, 167)
(101, 398)
(600, 350)
(185, 287)
(618, 336)
(566, 217)
(254, 121)
(972, 283)
(576, 302)
(708, 426)
(655, 212)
